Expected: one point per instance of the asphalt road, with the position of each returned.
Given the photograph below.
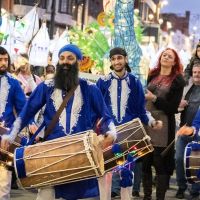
(28, 195)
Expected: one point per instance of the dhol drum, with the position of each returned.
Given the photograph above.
(192, 162)
(131, 137)
(159, 138)
(6, 156)
(59, 161)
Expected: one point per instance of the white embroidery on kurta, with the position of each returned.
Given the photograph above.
(76, 108)
(49, 82)
(57, 100)
(125, 91)
(90, 83)
(16, 128)
(113, 97)
(124, 98)
(4, 94)
(107, 77)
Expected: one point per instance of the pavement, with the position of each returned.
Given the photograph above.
(31, 195)
(22, 195)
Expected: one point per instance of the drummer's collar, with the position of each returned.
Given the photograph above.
(117, 77)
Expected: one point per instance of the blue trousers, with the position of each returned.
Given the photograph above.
(137, 178)
(181, 143)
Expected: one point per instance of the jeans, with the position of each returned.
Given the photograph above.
(116, 183)
(181, 143)
(137, 176)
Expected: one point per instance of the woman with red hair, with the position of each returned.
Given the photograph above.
(164, 92)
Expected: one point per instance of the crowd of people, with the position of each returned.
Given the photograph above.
(113, 100)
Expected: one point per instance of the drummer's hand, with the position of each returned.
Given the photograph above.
(185, 130)
(157, 124)
(5, 142)
(32, 128)
(106, 140)
(183, 103)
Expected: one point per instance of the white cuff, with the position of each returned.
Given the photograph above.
(112, 131)
(151, 118)
(15, 130)
(195, 131)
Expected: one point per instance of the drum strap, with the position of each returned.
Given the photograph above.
(58, 113)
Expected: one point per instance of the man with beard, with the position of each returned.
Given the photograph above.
(124, 96)
(11, 98)
(81, 113)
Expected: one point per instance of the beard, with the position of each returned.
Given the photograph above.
(66, 76)
(3, 70)
(119, 70)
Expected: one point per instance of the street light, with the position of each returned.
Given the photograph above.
(194, 28)
(136, 11)
(160, 21)
(151, 17)
(83, 13)
(164, 3)
(81, 6)
(52, 22)
(169, 25)
(0, 14)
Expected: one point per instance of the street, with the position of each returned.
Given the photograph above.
(22, 195)
(26, 195)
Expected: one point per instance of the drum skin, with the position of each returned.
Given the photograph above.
(59, 161)
(192, 162)
(130, 136)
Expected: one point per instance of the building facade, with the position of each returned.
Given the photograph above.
(149, 11)
(61, 13)
(178, 22)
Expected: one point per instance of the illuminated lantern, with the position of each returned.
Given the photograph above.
(124, 34)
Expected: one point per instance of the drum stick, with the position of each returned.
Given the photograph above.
(99, 122)
(169, 146)
(6, 164)
(164, 152)
(7, 152)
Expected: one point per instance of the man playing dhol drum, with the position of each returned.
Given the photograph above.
(189, 106)
(123, 93)
(81, 113)
(11, 97)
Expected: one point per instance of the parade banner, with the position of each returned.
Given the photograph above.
(27, 27)
(39, 48)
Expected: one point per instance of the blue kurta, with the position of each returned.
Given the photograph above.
(83, 110)
(11, 98)
(124, 97)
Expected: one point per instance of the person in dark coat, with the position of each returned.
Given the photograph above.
(194, 59)
(164, 92)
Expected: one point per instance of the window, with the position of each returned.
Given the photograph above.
(66, 6)
(25, 2)
(16, 1)
(43, 3)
